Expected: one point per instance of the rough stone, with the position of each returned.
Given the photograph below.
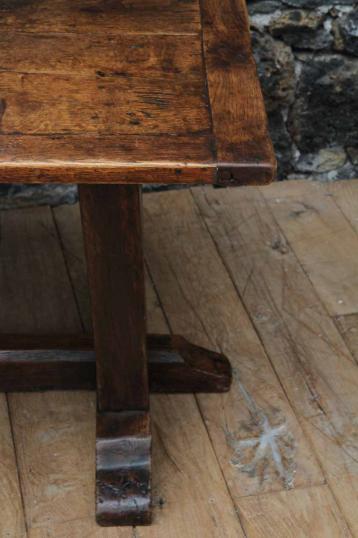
(312, 4)
(282, 143)
(276, 70)
(53, 194)
(353, 155)
(303, 30)
(264, 7)
(326, 159)
(30, 195)
(325, 111)
(345, 172)
(348, 32)
(348, 171)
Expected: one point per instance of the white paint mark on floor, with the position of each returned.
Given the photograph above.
(267, 446)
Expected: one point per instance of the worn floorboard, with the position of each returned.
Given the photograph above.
(348, 327)
(316, 370)
(323, 239)
(188, 500)
(12, 521)
(200, 302)
(345, 195)
(232, 270)
(293, 514)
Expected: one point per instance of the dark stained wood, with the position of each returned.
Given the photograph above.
(111, 221)
(244, 150)
(125, 57)
(181, 159)
(123, 448)
(47, 369)
(67, 362)
(104, 17)
(176, 365)
(103, 103)
(141, 91)
(133, 92)
(136, 173)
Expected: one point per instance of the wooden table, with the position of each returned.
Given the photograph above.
(110, 95)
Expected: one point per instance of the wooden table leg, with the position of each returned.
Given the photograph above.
(111, 220)
(114, 358)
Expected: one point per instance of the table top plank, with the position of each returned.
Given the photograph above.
(127, 56)
(128, 85)
(142, 103)
(101, 16)
(66, 104)
(119, 158)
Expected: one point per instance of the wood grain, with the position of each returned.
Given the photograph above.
(308, 513)
(36, 256)
(43, 105)
(244, 151)
(314, 366)
(323, 240)
(68, 362)
(105, 58)
(12, 522)
(56, 431)
(111, 222)
(93, 88)
(344, 193)
(121, 159)
(188, 500)
(70, 235)
(201, 303)
(102, 16)
(55, 465)
(348, 327)
(136, 173)
(112, 233)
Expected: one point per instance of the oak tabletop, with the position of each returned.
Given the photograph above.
(132, 91)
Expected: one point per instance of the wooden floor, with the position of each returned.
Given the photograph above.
(270, 277)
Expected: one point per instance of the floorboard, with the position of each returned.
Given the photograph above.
(348, 327)
(233, 270)
(12, 521)
(345, 195)
(316, 370)
(254, 431)
(188, 500)
(293, 514)
(322, 238)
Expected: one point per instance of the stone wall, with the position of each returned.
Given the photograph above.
(307, 57)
